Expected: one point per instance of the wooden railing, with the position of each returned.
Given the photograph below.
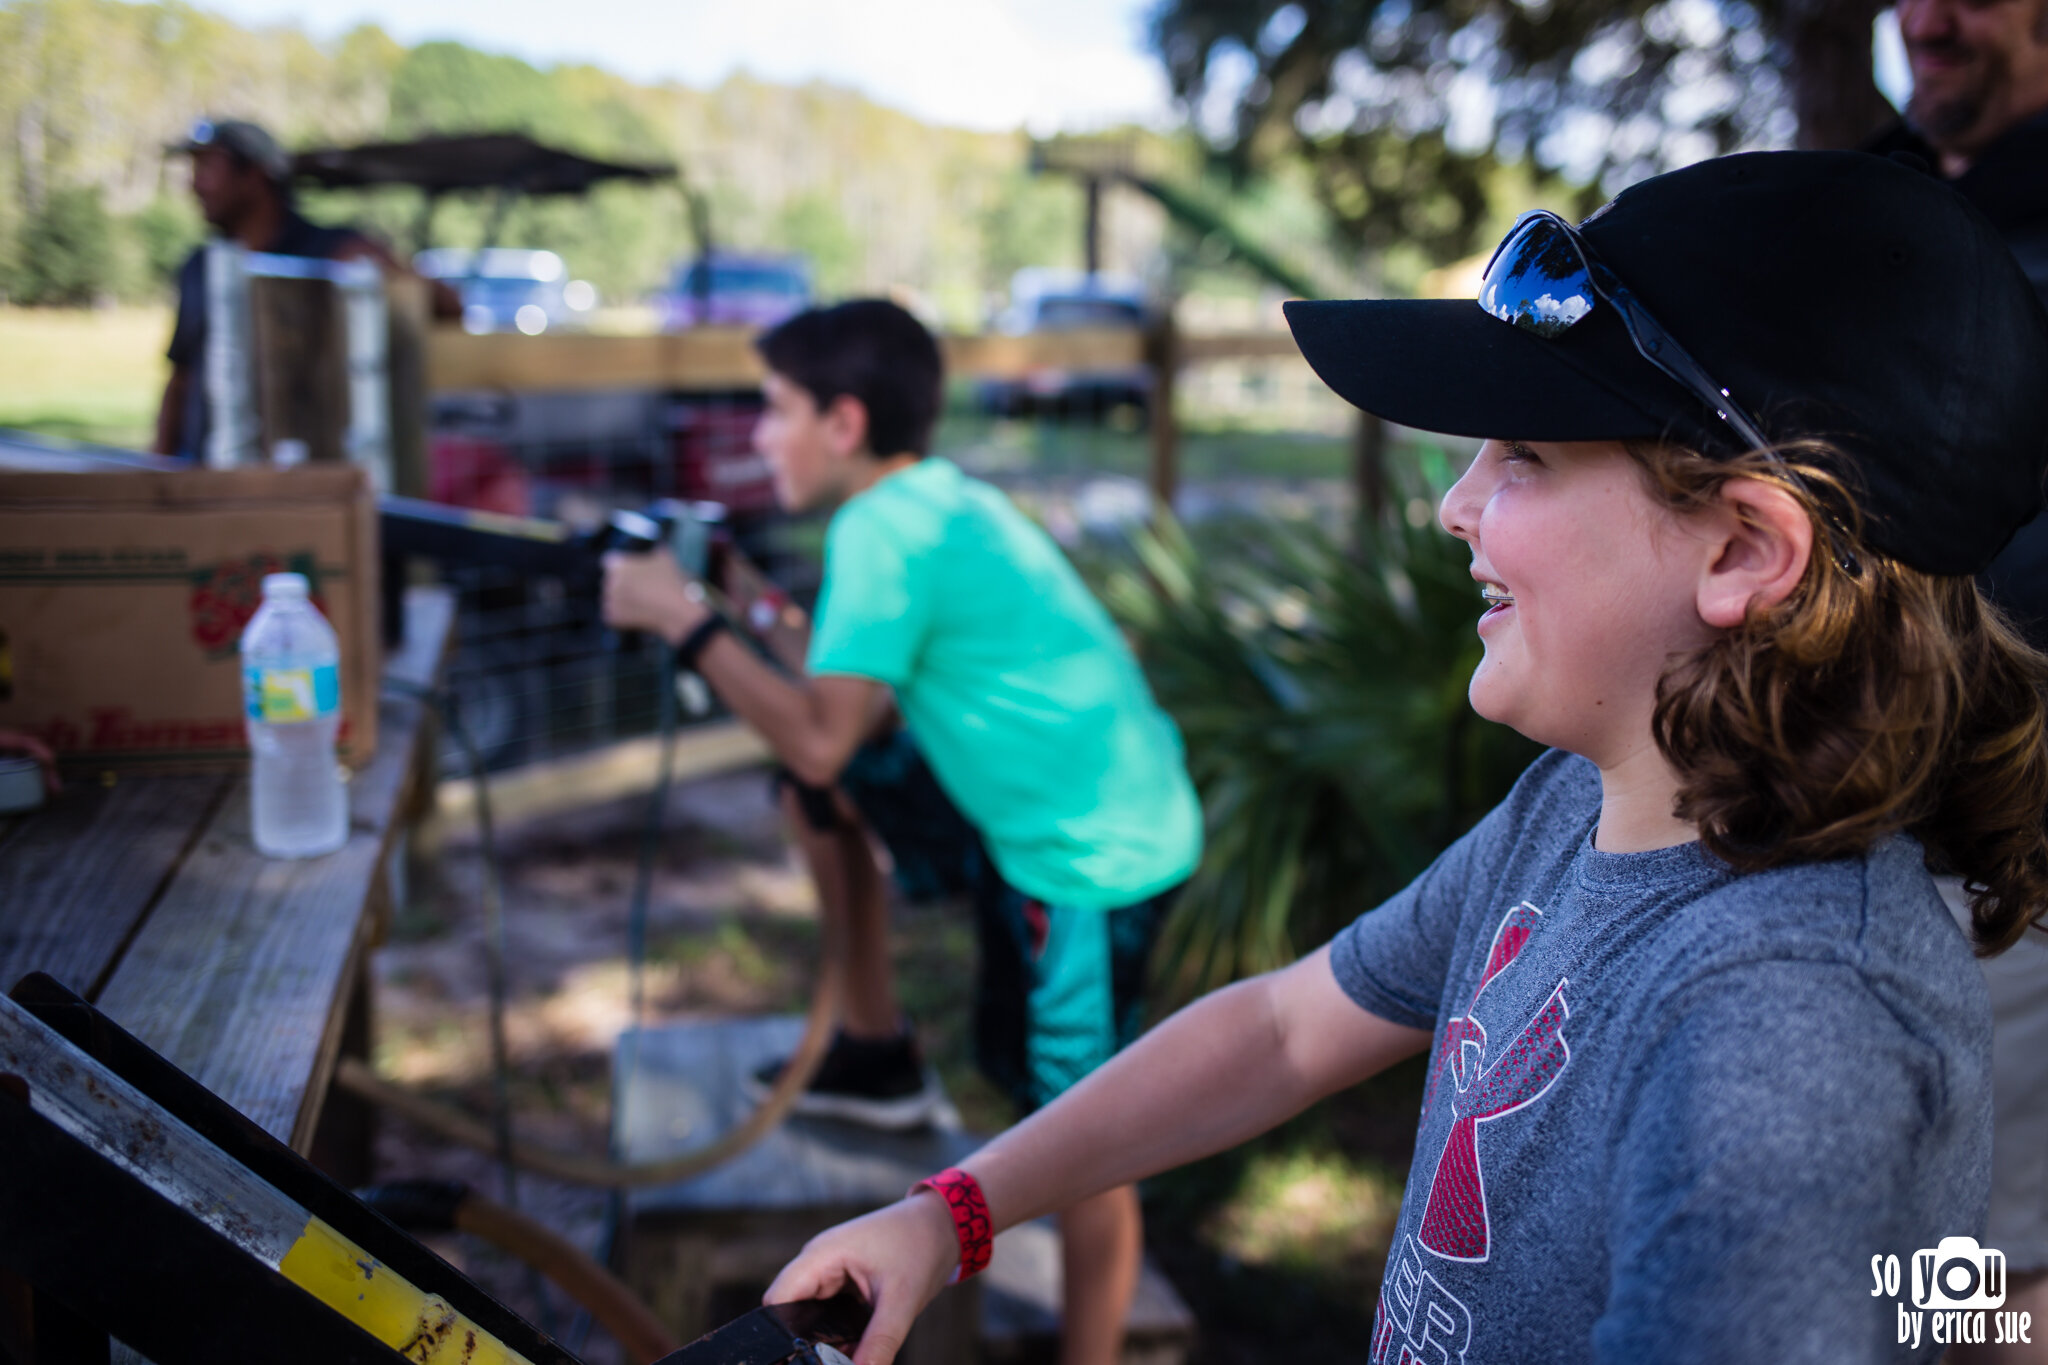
(711, 358)
(723, 357)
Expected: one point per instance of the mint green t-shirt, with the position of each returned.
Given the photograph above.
(1022, 695)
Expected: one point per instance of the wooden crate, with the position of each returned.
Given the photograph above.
(123, 594)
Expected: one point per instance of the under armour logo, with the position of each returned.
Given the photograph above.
(1464, 1048)
(1454, 1222)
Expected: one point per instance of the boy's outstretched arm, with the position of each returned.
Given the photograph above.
(813, 725)
(1227, 1067)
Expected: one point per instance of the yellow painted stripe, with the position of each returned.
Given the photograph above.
(419, 1326)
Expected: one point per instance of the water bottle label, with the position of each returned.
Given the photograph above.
(289, 694)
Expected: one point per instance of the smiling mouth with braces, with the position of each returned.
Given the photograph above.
(1495, 596)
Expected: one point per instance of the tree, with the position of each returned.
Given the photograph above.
(68, 252)
(1401, 107)
(812, 226)
(164, 233)
(91, 91)
(1027, 220)
(1835, 98)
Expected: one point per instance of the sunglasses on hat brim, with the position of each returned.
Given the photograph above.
(1544, 279)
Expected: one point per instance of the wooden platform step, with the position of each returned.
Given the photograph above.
(1020, 1306)
(702, 1250)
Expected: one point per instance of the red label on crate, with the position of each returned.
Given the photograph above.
(225, 595)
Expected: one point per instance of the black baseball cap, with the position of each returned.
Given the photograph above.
(1835, 295)
(247, 140)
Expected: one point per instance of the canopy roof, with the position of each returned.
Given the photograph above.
(482, 161)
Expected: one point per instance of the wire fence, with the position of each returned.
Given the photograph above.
(536, 673)
(539, 678)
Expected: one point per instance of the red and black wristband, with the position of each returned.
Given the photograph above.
(962, 1193)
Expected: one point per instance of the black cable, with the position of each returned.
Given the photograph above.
(650, 839)
(496, 954)
(636, 957)
(669, 723)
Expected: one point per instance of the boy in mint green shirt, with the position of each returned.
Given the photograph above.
(1030, 710)
(938, 587)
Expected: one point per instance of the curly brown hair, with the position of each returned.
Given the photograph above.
(1874, 698)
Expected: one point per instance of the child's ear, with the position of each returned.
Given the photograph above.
(1760, 539)
(846, 425)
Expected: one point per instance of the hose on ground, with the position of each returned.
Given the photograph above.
(446, 1121)
(452, 1206)
(356, 1077)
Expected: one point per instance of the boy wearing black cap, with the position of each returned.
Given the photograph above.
(1706, 1048)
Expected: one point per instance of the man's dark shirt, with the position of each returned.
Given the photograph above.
(297, 237)
(2009, 185)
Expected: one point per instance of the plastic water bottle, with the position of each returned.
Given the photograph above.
(291, 692)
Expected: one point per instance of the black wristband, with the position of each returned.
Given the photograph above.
(700, 637)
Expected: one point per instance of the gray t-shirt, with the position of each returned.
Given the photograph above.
(1672, 1112)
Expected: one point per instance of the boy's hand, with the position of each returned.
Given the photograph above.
(651, 592)
(898, 1257)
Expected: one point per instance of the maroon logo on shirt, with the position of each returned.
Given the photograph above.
(1455, 1225)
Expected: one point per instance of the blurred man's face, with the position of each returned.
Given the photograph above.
(1979, 66)
(227, 189)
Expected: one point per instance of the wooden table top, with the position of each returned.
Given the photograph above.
(147, 898)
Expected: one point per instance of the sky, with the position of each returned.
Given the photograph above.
(1049, 65)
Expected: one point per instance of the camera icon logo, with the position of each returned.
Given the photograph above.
(1957, 1273)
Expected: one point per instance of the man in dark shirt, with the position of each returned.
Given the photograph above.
(242, 179)
(1979, 116)
(1979, 112)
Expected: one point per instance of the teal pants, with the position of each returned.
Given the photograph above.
(1061, 988)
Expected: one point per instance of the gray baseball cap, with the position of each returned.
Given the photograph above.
(246, 140)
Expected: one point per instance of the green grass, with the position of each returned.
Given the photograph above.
(97, 375)
(1305, 1211)
(83, 374)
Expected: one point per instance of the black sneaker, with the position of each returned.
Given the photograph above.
(878, 1082)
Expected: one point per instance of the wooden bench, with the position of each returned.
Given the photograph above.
(702, 1251)
(146, 896)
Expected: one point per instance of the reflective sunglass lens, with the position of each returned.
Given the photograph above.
(1538, 281)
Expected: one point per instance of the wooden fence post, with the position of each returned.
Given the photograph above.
(409, 317)
(1162, 352)
(1369, 468)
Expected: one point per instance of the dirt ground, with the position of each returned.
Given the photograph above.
(732, 930)
(1279, 1244)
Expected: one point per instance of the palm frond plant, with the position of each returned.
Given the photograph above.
(1320, 687)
